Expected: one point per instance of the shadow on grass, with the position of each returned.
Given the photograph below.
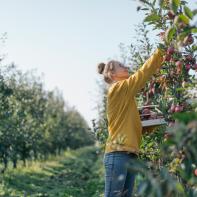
(71, 177)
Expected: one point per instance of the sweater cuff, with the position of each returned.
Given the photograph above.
(161, 53)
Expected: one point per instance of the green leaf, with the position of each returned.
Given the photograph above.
(194, 48)
(194, 30)
(170, 33)
(145, 2)
(188, 12)
(161, 46)
(174, 4)
(150, 144)
(161, 3)
(180, 89)
(144, 9)
(194, 12)
(185, 117)
(184, 18)
(177, 2)
(143, 187)
(182, 35)
(183, 2)
(152, 18)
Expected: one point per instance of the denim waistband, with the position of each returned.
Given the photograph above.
(122, 152)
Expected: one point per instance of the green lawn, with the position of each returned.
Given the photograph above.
(75, 174)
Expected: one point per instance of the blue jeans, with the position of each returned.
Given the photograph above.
(119, 180)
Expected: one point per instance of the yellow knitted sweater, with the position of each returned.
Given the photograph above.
(124, 124)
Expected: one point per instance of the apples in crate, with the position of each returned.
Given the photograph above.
(150, 115)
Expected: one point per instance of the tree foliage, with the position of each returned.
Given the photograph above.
(35, 123)
(168, 162)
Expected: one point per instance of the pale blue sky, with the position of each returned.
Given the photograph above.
(65, 39)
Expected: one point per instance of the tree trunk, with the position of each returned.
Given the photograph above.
(24, 162)
(5, 161)
(35, 155)
(15, 163)
(59, 150)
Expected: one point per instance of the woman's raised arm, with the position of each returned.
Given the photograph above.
(138, 80)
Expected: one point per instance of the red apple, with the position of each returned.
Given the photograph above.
(171, 15)
(179, 64)
(170, 50)
(188, 40)
(178, 108)
(187, 66)
(146, 111)
(172, 108)
(181, 108)
(195, 66)
(189, 57)
(195, 172)
(167, 57)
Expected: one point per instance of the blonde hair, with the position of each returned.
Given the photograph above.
(106, 70)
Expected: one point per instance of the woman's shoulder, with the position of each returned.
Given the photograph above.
(117, 87)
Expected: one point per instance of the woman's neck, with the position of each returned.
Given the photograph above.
(109, 85)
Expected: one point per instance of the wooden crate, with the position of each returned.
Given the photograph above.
(146, 119)
(154, 122)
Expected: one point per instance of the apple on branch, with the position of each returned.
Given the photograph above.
(188, 40)
(195, 172)
(171, 15)
(187, 67)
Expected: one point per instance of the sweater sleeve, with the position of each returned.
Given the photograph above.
(138, 80)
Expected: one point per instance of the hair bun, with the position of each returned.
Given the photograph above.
(100, 68)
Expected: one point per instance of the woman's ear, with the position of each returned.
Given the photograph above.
(111, 75)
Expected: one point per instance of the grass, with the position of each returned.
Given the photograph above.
(76, 173)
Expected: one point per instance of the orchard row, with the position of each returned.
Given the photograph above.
(35, 123)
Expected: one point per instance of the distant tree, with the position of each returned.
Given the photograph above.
(35, 123)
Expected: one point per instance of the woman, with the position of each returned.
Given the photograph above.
(124, 125)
